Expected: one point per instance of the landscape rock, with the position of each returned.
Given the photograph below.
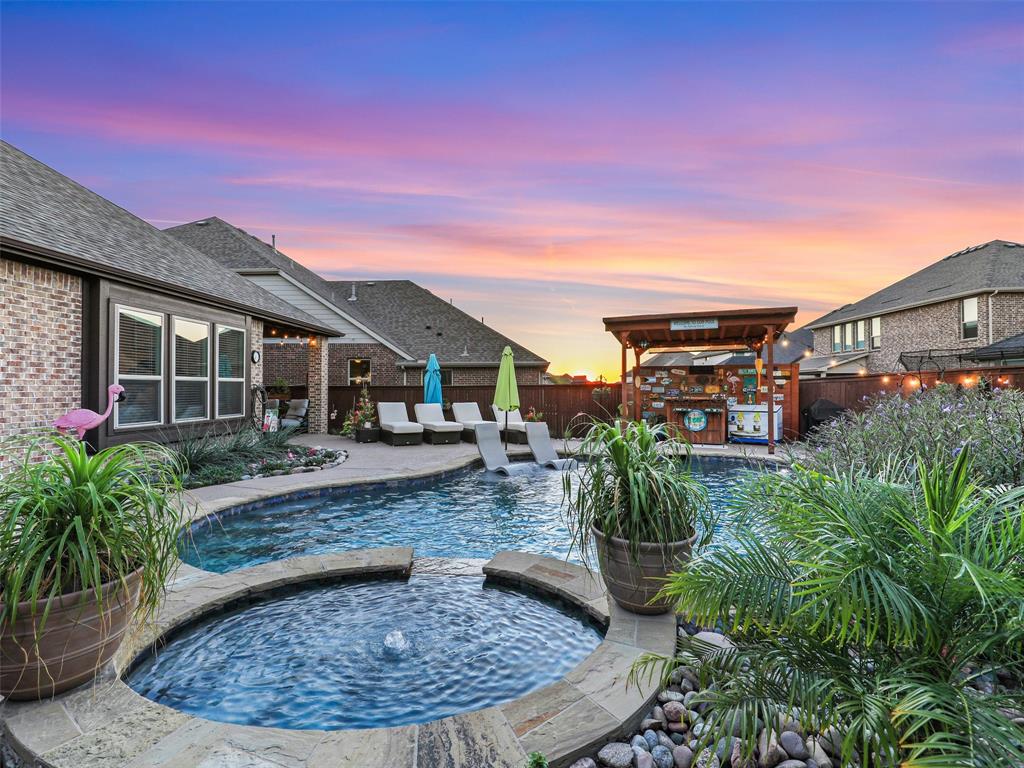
(683, 756)
(584, 762)
(792, 764)
(707, 759)
(639, 742)
(662, 757)
(770, 754)
(817, 754)
(652, 724)
(666, 742)
(715, 639)
(794, 745)
(666, 696)
(651, 738)
(642, 759)
(674, 711)
(616, 755)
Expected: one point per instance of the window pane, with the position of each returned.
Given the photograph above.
(971, 310)
(190, 399)
(358, 371)
(191, 348)
(837, 338)
(141, 403)
(139, 343)
(876, 332)
(230, 353)
(861, 335)
(848, 337)
(229, 398)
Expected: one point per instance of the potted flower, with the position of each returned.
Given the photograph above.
(359, 421)
(533, 415)
(87, 544)
(635, 499)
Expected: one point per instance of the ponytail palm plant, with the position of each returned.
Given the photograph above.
(882, 611)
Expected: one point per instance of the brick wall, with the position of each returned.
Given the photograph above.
(40, 347)
(316, 388)
(256, 369)
(935, 326)
(290, 362)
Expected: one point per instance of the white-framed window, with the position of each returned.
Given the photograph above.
(848, 337)
(837, 338)
(969, 318)
(138, 366)
(358, 371)
(190, 361)
(876, 333)
(230, 371)
(860, 340)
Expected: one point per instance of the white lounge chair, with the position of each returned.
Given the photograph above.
(488, 443)
(516, 426)
(543, 449)
(395, 427)
(468, 415)
(439, 431)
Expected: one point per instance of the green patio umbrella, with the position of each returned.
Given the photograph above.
(506, 394)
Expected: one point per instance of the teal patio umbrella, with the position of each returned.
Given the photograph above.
(506, 394)
(432, 381)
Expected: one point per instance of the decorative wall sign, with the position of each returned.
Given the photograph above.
(657, 405)
(657, 390)
(651, 379)
(661, 374)
(666, 381)
(679, 371)
(645, 387)
(674, 392)
(693, 324)
(695, 420)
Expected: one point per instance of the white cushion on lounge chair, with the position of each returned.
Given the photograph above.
(539, 439)
(488, 443)
(515, 419)
(432, 417)
(467, 414)
(394, 418)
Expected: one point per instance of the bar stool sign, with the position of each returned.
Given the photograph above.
(695, 420)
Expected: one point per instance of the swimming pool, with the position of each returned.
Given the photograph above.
(470, 514)
(369, 654)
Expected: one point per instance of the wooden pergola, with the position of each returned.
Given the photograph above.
(725, 329)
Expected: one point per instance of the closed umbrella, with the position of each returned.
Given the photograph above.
(506, 394)
(432, 381)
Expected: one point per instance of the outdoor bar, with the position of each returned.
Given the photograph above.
(755, 401)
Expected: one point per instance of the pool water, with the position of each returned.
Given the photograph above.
(472, 514)
(369, 654)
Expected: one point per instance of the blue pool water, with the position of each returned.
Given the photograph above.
(472, 514)
(365, 655)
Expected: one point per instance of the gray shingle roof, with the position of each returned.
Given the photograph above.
(1012, 347)
(998, 264)
(42, 209)
(819, 363)
(798, 342)
(397, 310)
(423, 323)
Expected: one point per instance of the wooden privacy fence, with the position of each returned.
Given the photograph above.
(559, 403)
(853, 392)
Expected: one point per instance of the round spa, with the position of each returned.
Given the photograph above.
(367, 654)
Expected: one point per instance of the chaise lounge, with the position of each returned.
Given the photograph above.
(488, 443)
(439, 431)
(544, 453)
(395, 427)
(516, 426)
(468, 415)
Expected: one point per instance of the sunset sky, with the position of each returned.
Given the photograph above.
(547, 165)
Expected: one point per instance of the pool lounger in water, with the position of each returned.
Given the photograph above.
(488, 443)
(543, 450)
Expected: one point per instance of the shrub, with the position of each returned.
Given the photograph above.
(886, 438)
(886, 612)
(70, 521)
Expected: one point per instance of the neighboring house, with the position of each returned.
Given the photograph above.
(387, 328)
(91, 295)
(946, 311)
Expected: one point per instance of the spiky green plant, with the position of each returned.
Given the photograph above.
(73, 522)
(634, 483)
(875, 609)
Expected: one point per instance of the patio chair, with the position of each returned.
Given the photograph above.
(543, 449)
(516, 425)
(395, 427)
(468, 415)
(438, 430)
(297, 415)
(488, 443)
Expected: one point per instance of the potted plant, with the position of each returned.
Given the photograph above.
(635, 498)
(87, 544)
(359, 421)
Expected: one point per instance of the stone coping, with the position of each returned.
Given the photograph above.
(107, 724)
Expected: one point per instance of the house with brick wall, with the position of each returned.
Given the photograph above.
(387, 328)
(936, 318)
(91, 295)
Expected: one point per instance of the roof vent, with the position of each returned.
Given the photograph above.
(465, 350)
(202, 223)
(353, 296)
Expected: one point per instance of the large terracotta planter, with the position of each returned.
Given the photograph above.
(633, 579)
(76, 641)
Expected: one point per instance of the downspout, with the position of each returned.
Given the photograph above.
(990, 339)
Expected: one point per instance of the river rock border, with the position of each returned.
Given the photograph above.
(107, 724)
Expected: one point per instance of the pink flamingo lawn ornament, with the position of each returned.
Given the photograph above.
(81, 420)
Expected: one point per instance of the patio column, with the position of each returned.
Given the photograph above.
(636, 383)
(256, 369)
(317, 385)
(624, 415)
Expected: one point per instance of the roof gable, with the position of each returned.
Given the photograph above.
(998, 264)
(43, 210)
